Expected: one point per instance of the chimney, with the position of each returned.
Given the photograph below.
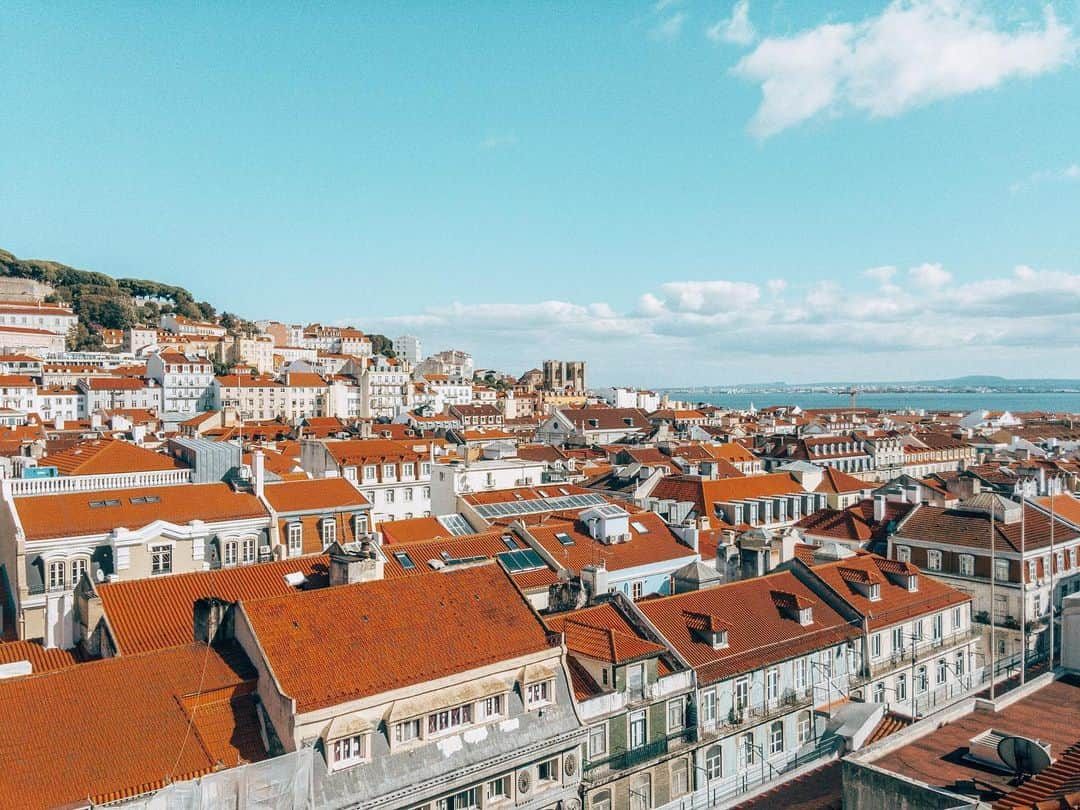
(595, 579)
(213, 620)
(59, 423)
(879, 508)
(352, 565)
(258, 472)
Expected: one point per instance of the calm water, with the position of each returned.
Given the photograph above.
(964, 402)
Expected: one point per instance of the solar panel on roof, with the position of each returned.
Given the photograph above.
(524, 559)
(455, 524)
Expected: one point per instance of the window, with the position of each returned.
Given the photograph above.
(388, 472)
(957, 618)
(598, 741)
(425, 469)
(638, 589)
(742, 694)
(359, 524)
(405, 561)
(601, 801)
(407, 493)
(247, 550)
(901, 687)
(675, 715)
(465, 800)
(57, 579)
(160, 559)
(348, 750)
(936, 627)
(746, 749)
(427, 492)
(942, 670)
(898, 639)
(714, 762)
(680, 778)
(772, 683)
(933, 560)
(1037, 604)
(708, 706)
(802, 671)
(497, 789)
(548, 771)
(639, 527)
(776, 737)
(879, 692)
(804, 728)
(960, 664)
(1001, 570)
(329, 532)
(635, 677)
(491, 707)
(875, 645)
(903, 553)
(637, 729)
(538, 694)
(922, 680)
(408, 470)
(641, 791)
(389, 496)
(409, 730)
(449, 719)
(370, 471)
(967, 565)
(78, 568)
(296, 539)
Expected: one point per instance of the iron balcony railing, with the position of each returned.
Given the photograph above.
(629, 757)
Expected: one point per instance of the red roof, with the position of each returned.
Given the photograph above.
(314, 495)
(153, 613)
(107, 456)
(760, 631)
(138, 727)
(42, 659)
(73, 515)
(602, 634)
(340, 644)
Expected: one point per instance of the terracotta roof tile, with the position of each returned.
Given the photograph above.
(339, 644)
(107, 456)
(154, 613)
(314, 495)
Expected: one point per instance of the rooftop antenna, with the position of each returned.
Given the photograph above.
(1026, 757)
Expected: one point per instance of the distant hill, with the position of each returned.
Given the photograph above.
(104, 302)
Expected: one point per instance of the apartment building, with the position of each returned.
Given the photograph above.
(130, 533)
(185, 380)
(57, 319)
(478, 714)
(1006, 572)
(591, 425)
(392, 476)
(111, 393)
(635, 697)
(769, 656)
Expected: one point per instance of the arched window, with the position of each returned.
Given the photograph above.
(229, 552)
(78, 568)
(247, 550)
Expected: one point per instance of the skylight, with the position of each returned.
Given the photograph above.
(404, 560)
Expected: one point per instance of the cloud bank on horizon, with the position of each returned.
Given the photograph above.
(716, 331)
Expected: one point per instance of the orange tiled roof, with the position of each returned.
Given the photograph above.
(154, 613)
(760, 633)
(314, 495)
(134, 736)
(42, 659)
(106, 456)
(71, 515)
(412, 530)
(602, 634)
(339, 644)
(837, 481)
(895, 603)
(373, 451)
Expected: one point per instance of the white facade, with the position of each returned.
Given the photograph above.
(448, 481)
(408, 347)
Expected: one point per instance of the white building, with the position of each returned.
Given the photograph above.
(185, 380)
(448, 481)
(408, 348)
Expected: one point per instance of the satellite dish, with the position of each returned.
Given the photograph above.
(1024, 755)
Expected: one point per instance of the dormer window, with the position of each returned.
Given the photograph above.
(874, 592)
(806, 616)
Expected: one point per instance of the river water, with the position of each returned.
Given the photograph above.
(932, 401)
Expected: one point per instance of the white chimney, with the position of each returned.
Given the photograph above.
(59, 423)
(258, 472)
(879, 508)
(595, 580)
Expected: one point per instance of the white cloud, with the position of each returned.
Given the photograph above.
(1070, 172)
(930, 276)
(671, 27)
(913, 53)
(737, 28)
(882, 274)
(869, 331)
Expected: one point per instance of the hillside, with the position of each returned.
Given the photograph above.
(104, 302)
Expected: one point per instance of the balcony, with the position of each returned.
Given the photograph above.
(790, 701)
(630, 757)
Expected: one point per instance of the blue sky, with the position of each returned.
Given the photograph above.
(676, 192)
